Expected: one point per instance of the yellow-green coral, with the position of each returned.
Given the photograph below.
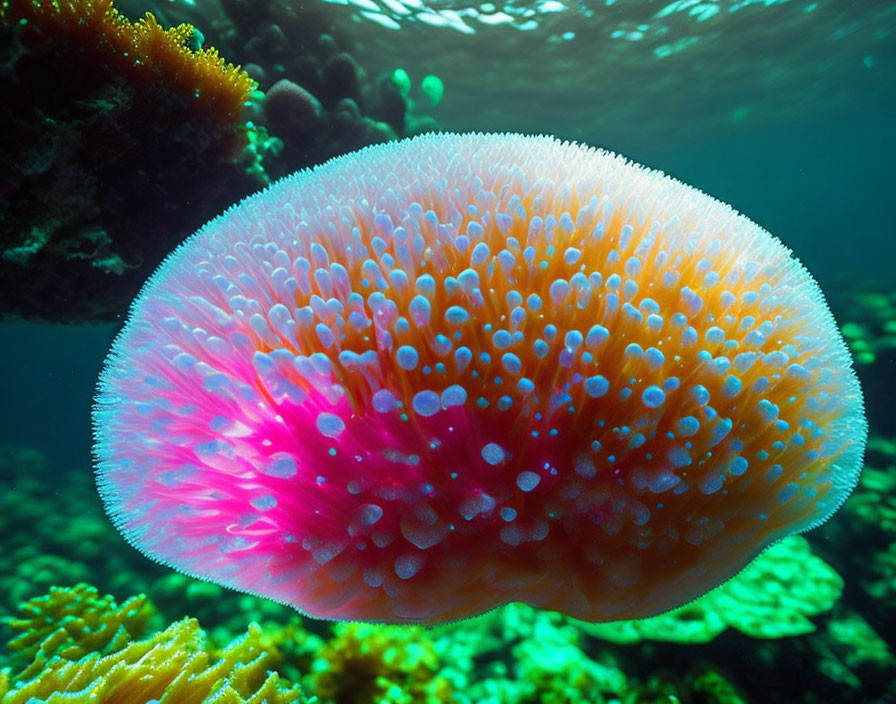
(92, 659)
(368, 664)
(553, 669)
(71, 623)
(773, 597)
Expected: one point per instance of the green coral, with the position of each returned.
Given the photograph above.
(711, 686)
(773, 597)
(72, 622)
(875, 501)
(850, 648)
(872, 513)
(262, 147)
(433, 88)
(870, 328)
(77, 647)
(46, 543)
(862, 642)
(553, 669)
(883, 586)
(381, 665)
(552, 662)
(402, 81)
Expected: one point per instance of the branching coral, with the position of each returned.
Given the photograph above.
(174, 666)
(71, 623)
(88, 649)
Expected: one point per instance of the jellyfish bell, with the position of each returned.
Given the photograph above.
(439, 375)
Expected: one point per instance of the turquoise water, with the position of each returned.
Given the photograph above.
(781, 109)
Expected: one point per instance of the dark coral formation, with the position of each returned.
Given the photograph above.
(315, 96)
(117, 140)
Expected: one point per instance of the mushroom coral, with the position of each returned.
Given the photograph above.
(439, 375)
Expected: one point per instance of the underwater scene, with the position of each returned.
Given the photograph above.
(445, 351)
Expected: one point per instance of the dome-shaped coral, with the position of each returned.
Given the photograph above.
(429, 378)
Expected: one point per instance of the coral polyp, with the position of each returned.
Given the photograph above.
(432, 377)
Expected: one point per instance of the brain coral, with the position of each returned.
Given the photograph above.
(435, 376)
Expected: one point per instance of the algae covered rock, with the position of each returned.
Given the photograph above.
(118, 140)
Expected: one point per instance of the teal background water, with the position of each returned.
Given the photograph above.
(782, 111)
